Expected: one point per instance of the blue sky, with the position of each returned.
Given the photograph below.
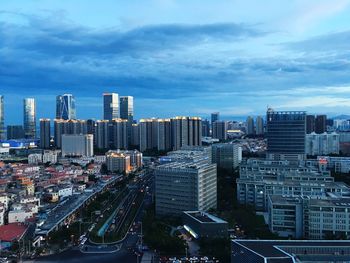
(176, 57)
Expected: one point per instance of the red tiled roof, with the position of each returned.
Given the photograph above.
(13, 231)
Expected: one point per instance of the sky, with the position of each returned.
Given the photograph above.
(176, 57)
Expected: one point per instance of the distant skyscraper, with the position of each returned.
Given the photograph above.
(259, 125)
(110, 106)
(45, 133)
(65, 107)
(250, 126)
(127, 112)
(29, 118)
(220, 130)
(320, 124)
(310, 123)
(215, 116)
(135, 135)
(286, 135)
(15, 132)
(2, 118)
(205, 128)
(127, 107)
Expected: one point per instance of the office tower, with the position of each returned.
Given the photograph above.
(250, 126)
(2, 118)
(45, 133)
(78, 145)
(127, 108)
(164, 135)
(215, 116)
(205, 128)
(110, 106)
(127, 112)
(186, 131)
(259, 125)
(29, 118)
(310, 123)
(185, 186)
(102, 134)
(118, 138)
(15, 132)
(286, 135)
(220, 130)
(320, 124)
(227, 155)
(65, 107)
(135, 135)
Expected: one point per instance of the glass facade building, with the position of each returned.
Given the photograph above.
(110, 106)
(286, 135)
(2, 118)
(29, 118)
(65, 107)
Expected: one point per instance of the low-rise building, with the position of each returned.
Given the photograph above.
(203, 225)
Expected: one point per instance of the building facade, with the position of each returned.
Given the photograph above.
(65, 107)
(110, 106)
(77, 145)
(29, 118)
(286, 135)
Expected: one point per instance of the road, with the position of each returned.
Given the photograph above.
(125, 251)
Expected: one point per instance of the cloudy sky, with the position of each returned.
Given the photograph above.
(176, 57)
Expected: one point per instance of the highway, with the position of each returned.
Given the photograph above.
(122, 252)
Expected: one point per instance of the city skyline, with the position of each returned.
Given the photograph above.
(208, 61)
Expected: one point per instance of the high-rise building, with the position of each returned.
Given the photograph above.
(118, 162)
(110, 106)
(29, 118)
(15, 132)
(164, 135)
(146, 131)
(259, 125)
(65, 107)
(320, 124)
(310, 123)
(127, 108)
(73, 127)
(250, 126)
(45, 133)
(78, 145)
(2, 118)
(118, 138)
(220, 130)
(90, 126)
(322, 144)
(127, 113)
(186, 131)
(227, 155)
(286, 135)
(185, 186)
(135, 135)
(215, 116)
(205, 128)
(102, 134)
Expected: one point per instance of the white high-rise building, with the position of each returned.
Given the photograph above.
(78, 145)
(322, 144)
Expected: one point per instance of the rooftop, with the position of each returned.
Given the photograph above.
(11, 232)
